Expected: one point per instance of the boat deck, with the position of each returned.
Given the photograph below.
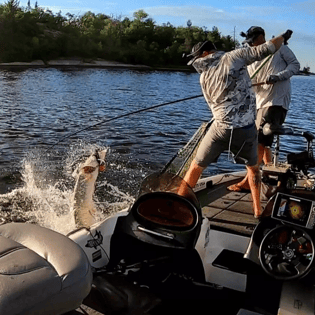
(229, 211)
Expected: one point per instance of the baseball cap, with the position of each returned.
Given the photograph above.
(198, 49)
(252, 33)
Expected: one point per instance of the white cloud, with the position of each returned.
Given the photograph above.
(75, 2)
(274, 19)
(306, 7)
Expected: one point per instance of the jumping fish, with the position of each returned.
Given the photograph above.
(87, 173)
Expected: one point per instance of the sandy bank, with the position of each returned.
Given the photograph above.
(72, 62)
(98, 63)
(77, 62)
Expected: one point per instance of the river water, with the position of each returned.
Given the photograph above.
(42, 108)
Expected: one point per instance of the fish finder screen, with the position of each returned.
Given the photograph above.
(292, 209)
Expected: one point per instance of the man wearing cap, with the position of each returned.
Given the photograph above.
(273, 97)
(227, 89)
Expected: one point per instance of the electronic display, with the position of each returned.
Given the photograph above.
(294, 210)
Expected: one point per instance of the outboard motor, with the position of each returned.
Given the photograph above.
(160, 231)
(163, 218)
(152, 252)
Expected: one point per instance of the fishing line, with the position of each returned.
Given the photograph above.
(121, 116)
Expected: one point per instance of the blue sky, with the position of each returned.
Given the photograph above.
(274, 17)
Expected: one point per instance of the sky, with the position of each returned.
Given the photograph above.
(231, 17)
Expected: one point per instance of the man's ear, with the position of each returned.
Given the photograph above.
(204, 54)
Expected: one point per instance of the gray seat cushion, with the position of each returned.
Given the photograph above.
(41, 271)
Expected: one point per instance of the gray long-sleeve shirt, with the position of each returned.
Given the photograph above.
(284, 64)
(226, 84)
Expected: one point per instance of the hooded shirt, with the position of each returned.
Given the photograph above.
(284, 64)
(226, 84)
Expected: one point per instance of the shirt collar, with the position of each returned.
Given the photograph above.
(204, 63)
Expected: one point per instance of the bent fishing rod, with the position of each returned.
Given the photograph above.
(121, 116)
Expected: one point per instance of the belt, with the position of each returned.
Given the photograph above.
(248, 126)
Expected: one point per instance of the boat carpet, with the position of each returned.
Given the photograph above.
(229, 211)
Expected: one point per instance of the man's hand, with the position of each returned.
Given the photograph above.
(272, 79)
(281, 39)
(286, 36)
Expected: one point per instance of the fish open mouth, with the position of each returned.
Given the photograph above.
(100, 157)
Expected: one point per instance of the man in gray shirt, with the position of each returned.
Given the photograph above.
(273, 93)
(226, 86)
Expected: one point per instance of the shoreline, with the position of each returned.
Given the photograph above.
(98, 63)
(81, 63)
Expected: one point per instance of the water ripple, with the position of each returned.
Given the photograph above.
(41, 106)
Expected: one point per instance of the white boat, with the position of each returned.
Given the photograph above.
(204, 251)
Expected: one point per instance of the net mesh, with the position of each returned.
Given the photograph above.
(181, 162)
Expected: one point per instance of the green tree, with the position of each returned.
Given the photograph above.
(140, 15)
(28, 34)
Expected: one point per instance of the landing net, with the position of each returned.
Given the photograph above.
(180, 163)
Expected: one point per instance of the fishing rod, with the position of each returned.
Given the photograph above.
(285, 42)
(258, 84)
(261, 66)
(121, 116)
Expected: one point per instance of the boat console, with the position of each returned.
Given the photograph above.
(287, 174)
(294, 210)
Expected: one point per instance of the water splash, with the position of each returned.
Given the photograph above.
(46, 193)
(122, 200)
(38, 201)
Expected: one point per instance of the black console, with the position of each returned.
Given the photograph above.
(294, 210)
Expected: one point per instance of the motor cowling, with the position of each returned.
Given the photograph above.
(162, 219)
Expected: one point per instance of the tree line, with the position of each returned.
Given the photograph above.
(32, 33)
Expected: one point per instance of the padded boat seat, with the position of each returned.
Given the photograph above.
(41, 271)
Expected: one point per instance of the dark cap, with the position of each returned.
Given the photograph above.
(198, 50)
(252, 33)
